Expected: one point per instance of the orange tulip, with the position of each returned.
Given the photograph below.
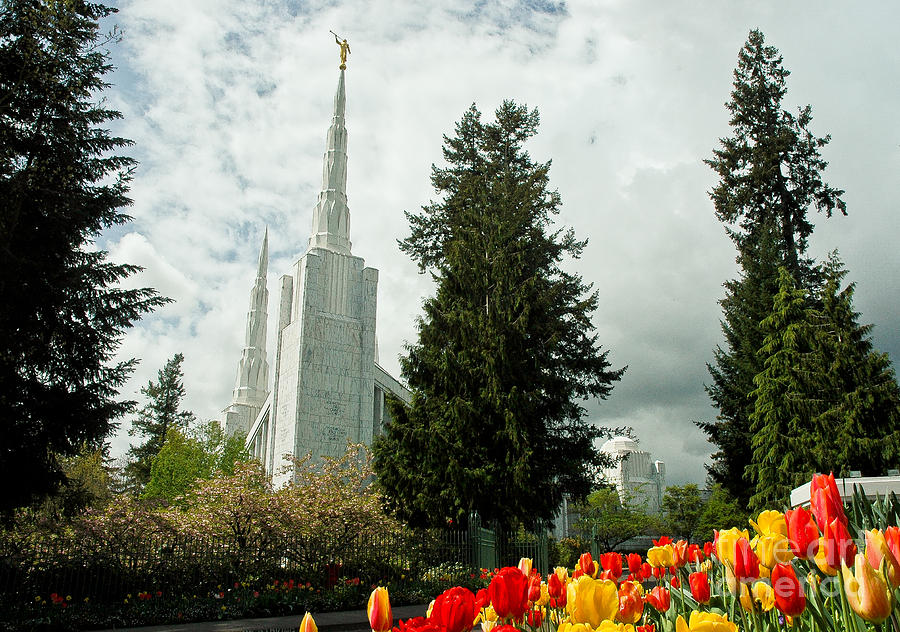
(867, 590)
(892, 537)
(878, 552)
(308, 624)
(679, 553)
(631, 602)
(379, 610)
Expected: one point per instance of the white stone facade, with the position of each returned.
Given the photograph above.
(328, 386)
(638, 480)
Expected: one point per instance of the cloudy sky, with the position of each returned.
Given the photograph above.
(228, 102)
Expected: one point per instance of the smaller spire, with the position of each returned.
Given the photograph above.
(263, 265)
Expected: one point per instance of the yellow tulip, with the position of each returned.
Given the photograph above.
(379, 610)
(592, 600)
(764, 595)
(610, 626)
(661, 556)
(563, 573)
(867, 590)
(770, 522)
(568, 626)
(726, 543)
(308, 624)
(705, 622)
(544, 599)
(772, 549)
(487, 626)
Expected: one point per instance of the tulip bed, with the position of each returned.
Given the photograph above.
(800, 570)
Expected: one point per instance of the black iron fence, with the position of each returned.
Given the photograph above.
(197, 565)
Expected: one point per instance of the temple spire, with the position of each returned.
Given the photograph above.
(250, 389)
(331, 217)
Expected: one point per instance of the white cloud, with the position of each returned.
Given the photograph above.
(228, 102)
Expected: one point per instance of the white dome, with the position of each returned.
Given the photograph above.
(619, 445)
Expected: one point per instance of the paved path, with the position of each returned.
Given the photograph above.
(348, 621)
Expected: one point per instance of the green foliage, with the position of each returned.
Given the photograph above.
(160, 414)
(721, 511)
(63, 309)
(189, 455)
(826, 400)
(567, 551)
(781, 443)
(770, 175)
(683, 507)
(505, 349)
(609, 522)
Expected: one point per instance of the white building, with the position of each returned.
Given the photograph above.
(328, 386)
(637, 479)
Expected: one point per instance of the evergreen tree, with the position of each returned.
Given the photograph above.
(859, 426)
(62, 308)
(770, 175)
(506, 347)
(160, 414)
(784, 401)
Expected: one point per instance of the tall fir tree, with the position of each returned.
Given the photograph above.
(770, 175)
(506, 346)
(826, 400)
(62, 308)
(858, 427)
(784, 400)
(160, 414)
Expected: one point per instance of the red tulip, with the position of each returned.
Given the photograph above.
(708, 549)
(612, 562)
(694, 554)
(509, 593)
(454, 609)
(802, 533)
(586, 565)
(659, 598)
(664, 540)
(534, 588)
(418, 624)
(825, 500)
(482, 599)
(674, 582)
(835, 546)
(746, 564)
(650, 627)
(646, 571)
(789, 596)
(634, 563)
(699, 586)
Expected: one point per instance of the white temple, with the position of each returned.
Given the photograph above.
(328, 386)
(638, 480)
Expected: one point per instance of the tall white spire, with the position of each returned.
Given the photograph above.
(250, 389)
(331, 217)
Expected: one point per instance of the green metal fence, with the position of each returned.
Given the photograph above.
(186, 565)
